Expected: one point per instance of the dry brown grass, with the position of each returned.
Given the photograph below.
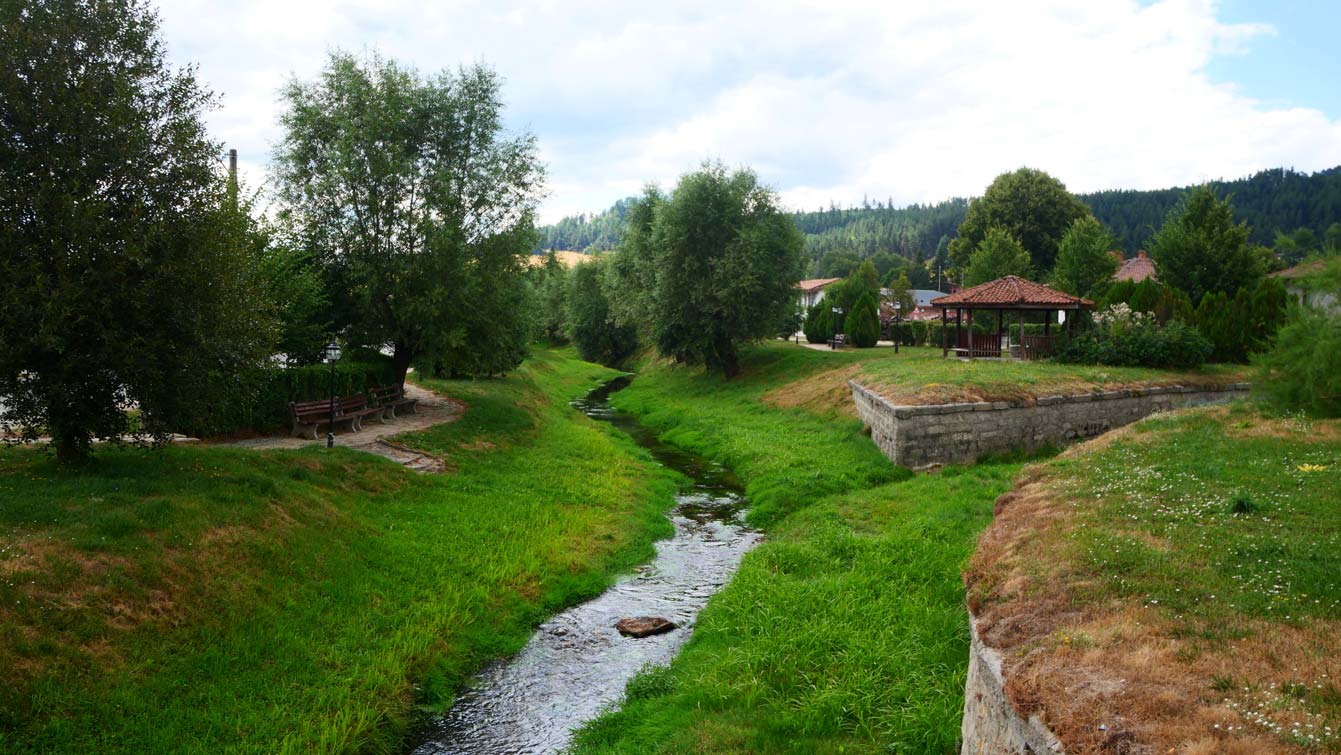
(824, 393)
(1110, 675)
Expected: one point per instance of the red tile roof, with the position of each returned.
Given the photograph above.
(1136, 269)
(814, 283)
(1306, 270)
(1011, 292)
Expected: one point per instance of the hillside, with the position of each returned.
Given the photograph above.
(1277, 200)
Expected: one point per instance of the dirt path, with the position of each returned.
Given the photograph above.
(376, 437)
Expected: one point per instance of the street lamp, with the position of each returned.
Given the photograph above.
(897, 306)
(837, 328)
(332, 352)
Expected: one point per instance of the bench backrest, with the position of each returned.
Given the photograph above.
(384, 393)
(352, 403)
(307, 407)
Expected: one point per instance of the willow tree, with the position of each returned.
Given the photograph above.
(128, 278)
(708, 268)
(419, 205)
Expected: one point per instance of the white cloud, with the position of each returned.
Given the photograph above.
(916, 100)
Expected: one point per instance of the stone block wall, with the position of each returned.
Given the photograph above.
(991, 725)
(919, 436)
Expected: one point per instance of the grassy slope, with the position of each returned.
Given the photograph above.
(1196, 556)
(221, 600)
(845, 631)
(922, 376)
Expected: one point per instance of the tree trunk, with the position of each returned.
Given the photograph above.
(71, 450)
(401, 359)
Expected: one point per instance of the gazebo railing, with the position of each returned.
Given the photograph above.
(1038, 347)
(985, 345)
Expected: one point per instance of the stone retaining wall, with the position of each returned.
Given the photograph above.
(991, 725)
(919, 436)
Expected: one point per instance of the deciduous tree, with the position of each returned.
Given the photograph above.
(1032, 206)
(1085, 263)
(722, 258)
(997, 256)
(128, 278)
(419, 205)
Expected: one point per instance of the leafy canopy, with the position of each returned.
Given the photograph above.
(128, 276)
(997, 256)
(1030, 205)
(708, 268)
(418, 205)
(1200, 249)
(1085, 264)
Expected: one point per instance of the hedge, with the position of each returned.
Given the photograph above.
(259, 402)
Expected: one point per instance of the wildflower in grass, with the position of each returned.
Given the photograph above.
(1312, 467)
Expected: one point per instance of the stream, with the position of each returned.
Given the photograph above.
(577, 664)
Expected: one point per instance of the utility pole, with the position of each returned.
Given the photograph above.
(232, 176)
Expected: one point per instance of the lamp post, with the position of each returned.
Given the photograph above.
(837, 328)
(332, 351)
(897, 306)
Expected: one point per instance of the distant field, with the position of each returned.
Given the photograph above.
(568, 259)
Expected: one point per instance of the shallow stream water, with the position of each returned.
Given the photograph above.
(576, 664)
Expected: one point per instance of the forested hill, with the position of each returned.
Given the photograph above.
(1271, 201)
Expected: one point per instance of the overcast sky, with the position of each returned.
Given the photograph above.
(826, 100)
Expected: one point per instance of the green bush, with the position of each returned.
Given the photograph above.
(1123, 338)
(819, 323)
(260, 402)
(1302, 372)
(863, 322)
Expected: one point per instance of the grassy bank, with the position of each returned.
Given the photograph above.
(1179, 581)
(221, 600)
(919, 375)
(845, 631)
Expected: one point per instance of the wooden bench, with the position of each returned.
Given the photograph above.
(389, 398)
(838, 340)
(308, 415)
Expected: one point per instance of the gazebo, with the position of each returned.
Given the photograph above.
(1008, 294)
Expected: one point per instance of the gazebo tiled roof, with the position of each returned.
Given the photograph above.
(1012, 292)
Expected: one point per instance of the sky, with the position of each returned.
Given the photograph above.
(828, 101)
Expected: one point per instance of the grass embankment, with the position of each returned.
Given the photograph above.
(845, 631)
(921, 376)
(221, 600)
(1178, 582)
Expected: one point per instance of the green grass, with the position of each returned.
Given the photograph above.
(1218, 532)
(220, 600)
(846, 630)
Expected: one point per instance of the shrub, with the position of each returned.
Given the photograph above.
(863, 322)
(261, 401)
(819, 323)
(1124, 338)
(1303, 369)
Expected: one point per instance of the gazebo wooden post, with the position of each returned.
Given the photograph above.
(945, 325)
(1022, 334)
(959, 322)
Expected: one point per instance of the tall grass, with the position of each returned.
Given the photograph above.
(846, 630)
(217, 600)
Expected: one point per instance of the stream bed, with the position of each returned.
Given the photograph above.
(577, 664)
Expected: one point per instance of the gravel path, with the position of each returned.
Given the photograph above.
(376, 437)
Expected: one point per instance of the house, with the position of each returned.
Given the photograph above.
(811, 291)
(1135, 269)
(922, 309)
(1302, 283)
